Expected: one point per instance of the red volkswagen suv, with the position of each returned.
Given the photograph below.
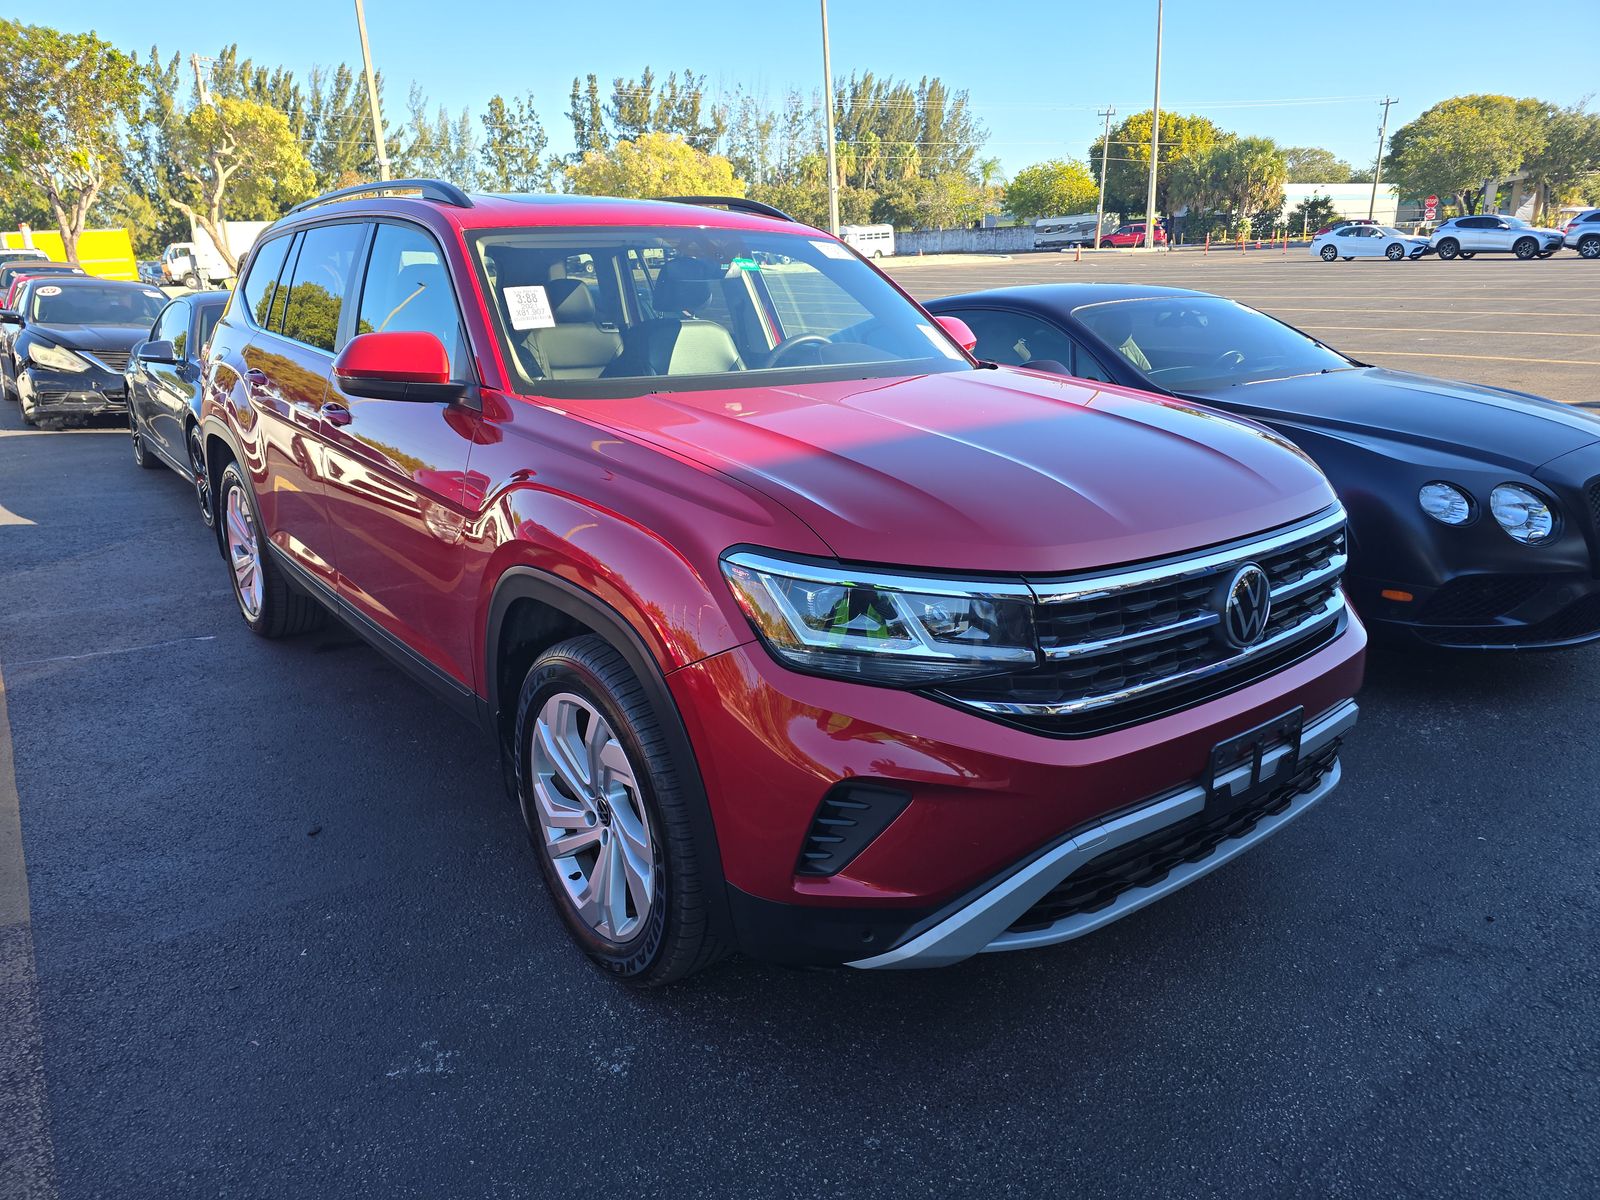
(800, 631)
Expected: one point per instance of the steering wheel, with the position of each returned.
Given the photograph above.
(1230, 359)
(778, 353)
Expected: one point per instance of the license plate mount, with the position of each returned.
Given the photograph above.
(1240, 770)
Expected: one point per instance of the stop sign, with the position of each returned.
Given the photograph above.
(1433, 202)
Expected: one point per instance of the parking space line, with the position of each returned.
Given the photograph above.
(27, 1167)
(60, 658)
(1468, 332)
(1555, 362)
(7, 517)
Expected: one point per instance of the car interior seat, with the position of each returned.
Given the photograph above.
(676, 341)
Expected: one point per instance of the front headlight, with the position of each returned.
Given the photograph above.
(1522, 513)
(878, 627)
(1445, 502)
(57, 358)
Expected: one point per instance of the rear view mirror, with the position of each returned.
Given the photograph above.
(158, 352)
(396, 366)
(959, 331)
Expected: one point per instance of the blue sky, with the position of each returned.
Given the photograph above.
(1036, 74)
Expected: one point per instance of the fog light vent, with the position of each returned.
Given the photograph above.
(850, 816)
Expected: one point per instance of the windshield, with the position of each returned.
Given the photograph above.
(1516, 223)
(89, 304)
(617, 311)
(1198, 343)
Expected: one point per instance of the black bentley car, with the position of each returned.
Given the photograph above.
(73, 338)
(164, 391)
(1474, 511)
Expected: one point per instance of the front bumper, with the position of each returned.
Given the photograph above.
(72, 394)
(1008, 914)
(1490, 612)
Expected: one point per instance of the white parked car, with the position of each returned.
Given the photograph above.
(1492, 233)
(1368, 241)
(1583, 233)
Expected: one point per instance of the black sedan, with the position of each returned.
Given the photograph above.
(73, 345)
(1474, 511)
(164, 391)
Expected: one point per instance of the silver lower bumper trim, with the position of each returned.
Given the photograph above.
(983, 925)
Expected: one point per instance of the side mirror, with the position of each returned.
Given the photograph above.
(396, 366)
(960, 332)
(157, 352)
(10, 316)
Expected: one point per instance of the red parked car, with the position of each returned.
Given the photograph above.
(1132, 234)
(799, 631)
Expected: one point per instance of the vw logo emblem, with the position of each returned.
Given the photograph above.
(1246, 605)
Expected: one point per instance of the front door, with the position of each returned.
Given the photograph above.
(398, 492)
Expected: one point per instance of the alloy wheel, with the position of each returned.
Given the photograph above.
(589, 817)
(202, 482)
(1590, 247)
(244, 554)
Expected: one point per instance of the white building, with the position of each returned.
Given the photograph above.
(1349, 199)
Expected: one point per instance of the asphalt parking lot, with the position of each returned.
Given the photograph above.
(280, 933)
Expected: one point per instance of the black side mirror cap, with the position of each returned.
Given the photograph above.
(157, 352)
(10, 316)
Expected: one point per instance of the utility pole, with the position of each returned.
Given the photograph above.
(200, 78)
(1377, 167)
(1155, 144)
(1105, 149)
(827, 109)
(372, 95)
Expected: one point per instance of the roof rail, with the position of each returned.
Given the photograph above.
(429, 189)
(732, 204)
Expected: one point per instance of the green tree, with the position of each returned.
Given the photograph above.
(1458, 144)
(1312, 213)
(639, 106)
(1055, 188)
(1128, 164)
(1570, 153)
(653, 164)
(65, 99)
(233, 156)
(437, 146)
(588, 118)
(511, 158)
(1313, 164)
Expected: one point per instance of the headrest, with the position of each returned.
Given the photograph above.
(684, 285)
(571, 301)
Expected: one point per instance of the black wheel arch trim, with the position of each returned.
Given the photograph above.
(529, 583)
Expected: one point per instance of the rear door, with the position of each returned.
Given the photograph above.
(399, 495)
(287, 367)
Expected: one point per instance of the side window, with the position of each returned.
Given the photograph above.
(256, 290)
(407, 289)
(1085, 366)
(209, 316)
(173, 326)
(320, 283)
(1012, 339)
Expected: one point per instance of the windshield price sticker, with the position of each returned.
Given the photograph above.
(529, 307)
(831, 249)
(747, 264)
(50, 290)
(154, 295)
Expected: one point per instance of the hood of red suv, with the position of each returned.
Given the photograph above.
(987, 470)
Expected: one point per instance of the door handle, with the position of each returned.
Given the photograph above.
(255, 380)
(335, 413)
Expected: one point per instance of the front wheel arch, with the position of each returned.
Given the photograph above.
(559, 609)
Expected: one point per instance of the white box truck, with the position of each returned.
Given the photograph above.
(1065, 232)
(197, 263)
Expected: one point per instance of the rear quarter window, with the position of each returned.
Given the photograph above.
(265, 267)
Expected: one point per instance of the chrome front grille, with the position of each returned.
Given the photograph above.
(1120, 646)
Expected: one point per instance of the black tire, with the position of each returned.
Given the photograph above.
(202, 477)
(1469, 254)
(1395, 253)
(1348, 257)
(1525, 249)
(1448, 248)
(285, 610)
(1589, 246)
(1329, 253)
(677, 938)
(192, 281)
(142, 457)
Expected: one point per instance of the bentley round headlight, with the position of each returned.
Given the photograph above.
(1445, 502)
(1522, 513)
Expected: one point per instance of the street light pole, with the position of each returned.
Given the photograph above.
(1155, 143)
(372, 95)
(827, 109)
(1377, 166)
(1105, 149)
